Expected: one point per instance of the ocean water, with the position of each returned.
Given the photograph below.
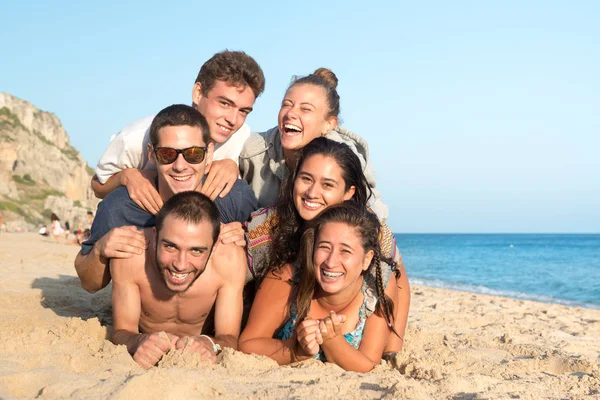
(553, 268)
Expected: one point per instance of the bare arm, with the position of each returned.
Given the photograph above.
(401, 307)
(374, 340)
(229, 260)
(118, 243)
(147, 349)
(269, 311)
(101, 190)
(126, 307)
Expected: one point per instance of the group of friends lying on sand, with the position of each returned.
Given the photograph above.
(272, 243)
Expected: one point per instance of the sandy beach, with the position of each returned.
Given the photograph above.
(53, 345)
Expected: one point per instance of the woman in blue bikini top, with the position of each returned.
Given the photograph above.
(335, 305)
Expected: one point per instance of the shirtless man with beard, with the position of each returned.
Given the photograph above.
(162, 297)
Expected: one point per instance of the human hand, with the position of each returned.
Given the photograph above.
(122, 242)
(141, 190)
(200, 345)
(152, 348)
(330, 327)
(222, 174)
(306, 334)
(233, 232)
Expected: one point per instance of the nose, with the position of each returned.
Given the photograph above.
(179, 164)
(231, 116)
(180, 261)
(312, 191)
(291, 113)
(332, 259)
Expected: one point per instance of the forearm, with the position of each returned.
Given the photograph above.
(131, 340)
(226, 341)
(101, 190)
(339, 351)
(92, 270)
(282, 351)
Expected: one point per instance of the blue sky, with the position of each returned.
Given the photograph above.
(480, 117)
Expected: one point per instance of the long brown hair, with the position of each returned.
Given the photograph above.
(366, 225)
(290, 227)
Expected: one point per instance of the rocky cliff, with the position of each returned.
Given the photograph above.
(40, 172)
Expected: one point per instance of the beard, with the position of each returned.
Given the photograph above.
(163, 269)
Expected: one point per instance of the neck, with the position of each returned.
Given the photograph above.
(338, 302)
(291, 158)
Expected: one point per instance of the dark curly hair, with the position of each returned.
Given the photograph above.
(288, 230)
(366, 225)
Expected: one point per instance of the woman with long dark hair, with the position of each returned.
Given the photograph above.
(327, 173)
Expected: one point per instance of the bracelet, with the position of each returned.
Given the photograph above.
(216, 347)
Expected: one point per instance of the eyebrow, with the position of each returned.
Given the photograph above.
(199, 248)
(168, 242)
(231, 102)
(341, 244)
(306, 103)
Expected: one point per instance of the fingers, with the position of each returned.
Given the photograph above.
(220, 179)
(233, 232)
(122, 242)
(319, 337)
(142, 191)
(334, 321)
(227, 188)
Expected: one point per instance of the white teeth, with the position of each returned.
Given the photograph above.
(178, 276)
(292, 127)
(181, 178)
(224, 129)
(332, 274)
(310, 204)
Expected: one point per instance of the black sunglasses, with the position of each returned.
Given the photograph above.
(168, 155)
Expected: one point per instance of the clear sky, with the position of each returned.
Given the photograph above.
(480, 116)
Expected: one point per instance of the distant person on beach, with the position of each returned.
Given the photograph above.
(327, 173)
(224, 92)
(162, 297)
(179, 135)
(89, 220)
(55, 229)
(328, 308)
(310, 109)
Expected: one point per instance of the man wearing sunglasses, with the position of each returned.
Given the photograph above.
(178, 148)
(224, 92)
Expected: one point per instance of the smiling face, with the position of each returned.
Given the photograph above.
(225, 108)
(319, 184)
(303, 116)
(339, 258)
(182, 251)
(179, 176)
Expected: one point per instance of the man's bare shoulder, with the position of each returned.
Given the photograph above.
(229, 262)
(131, 269)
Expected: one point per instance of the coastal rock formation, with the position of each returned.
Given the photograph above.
(37, 161)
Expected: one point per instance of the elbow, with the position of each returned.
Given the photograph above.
(97, 187)
(88, 285)
(244, 346)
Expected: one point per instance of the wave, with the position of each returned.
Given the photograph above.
(495, 292)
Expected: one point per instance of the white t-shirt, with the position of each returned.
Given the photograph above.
(129, 149)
